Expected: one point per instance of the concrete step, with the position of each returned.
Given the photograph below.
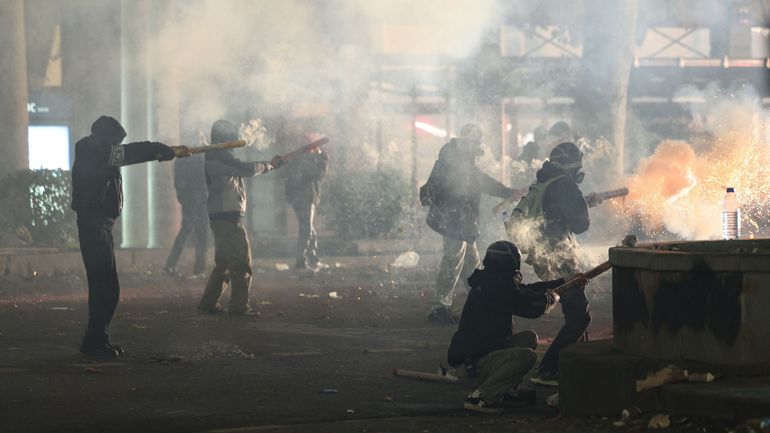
(597, 379)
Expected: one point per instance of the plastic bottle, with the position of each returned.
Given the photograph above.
(731, 216)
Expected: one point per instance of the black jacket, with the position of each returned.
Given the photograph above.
(486, 319)
(190, 182)
(564, 209)
(96, 181)
(453, 192)
(302, 178)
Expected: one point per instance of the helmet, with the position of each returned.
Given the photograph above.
(560, 129)
(471, 136)
(223, 131)
(504, 256)
(569, 158)
(471, 132)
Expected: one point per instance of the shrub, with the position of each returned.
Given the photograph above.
(35, 209)
(367, 205)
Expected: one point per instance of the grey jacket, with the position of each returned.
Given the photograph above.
(224, 179)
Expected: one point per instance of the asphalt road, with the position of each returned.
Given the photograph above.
(319, 358)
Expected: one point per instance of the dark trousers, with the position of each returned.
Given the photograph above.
(195, 221)
(232, 259)
(577, 317)
(98, 250)
(307, 242)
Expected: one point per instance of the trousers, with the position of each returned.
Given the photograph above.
(459, 261)
(97, 247)
(232, 259)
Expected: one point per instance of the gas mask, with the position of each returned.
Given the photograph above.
(517, 277)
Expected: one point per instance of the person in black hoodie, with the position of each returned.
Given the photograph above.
(190, 186)
(485, 346)
(97, 198)
(556, 207)
(453, 192)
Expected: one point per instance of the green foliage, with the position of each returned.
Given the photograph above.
(368, 205)
(35, 209)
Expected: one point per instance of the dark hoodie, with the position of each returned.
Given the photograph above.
(456, 185)
(564, 209)
(96, 181)
(486, 319)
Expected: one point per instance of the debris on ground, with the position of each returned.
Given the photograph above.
(91, 370)
(628, 416)
(328, 391)
(334, 295)
(659, 421)
(406, 260)
(702, 377)
(552, 400)
(668, 374)
(755, 425)
(282, 267)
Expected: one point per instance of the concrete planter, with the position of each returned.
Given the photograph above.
(693, 301)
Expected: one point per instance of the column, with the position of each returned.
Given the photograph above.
(14, 120)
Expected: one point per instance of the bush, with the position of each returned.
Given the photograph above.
(35, 209)
(367, 205)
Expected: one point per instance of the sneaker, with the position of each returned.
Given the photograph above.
(442, 316)
(172, 271)
(546, 378)
(479, 404)
(244, 312)
(100, 350)
(521, 397)
(118, 348)
(217, 309)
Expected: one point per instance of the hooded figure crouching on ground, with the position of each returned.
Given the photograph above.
(227, 207)
(485, 348)
(97, 198)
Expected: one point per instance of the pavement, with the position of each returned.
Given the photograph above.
(319, 357)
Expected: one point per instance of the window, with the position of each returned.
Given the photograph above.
(49, 147)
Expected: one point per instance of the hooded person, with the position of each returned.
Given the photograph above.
(485, 348)
(226, 207)
(302, 187)
(556, 211)
(453, 193)
(97, 198)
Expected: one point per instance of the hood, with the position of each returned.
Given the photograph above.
(549, 171)
(490, 281)
(108, 129)
(223, 131)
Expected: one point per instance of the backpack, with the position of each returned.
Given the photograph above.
(531, 205)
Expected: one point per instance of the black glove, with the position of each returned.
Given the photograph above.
(165, 153)
(277, 161)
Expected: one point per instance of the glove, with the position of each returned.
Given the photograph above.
(277, 161)
(552, 299)
(165, 153)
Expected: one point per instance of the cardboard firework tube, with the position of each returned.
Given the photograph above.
(590, 274)
(179, 150)
(307, 148)
(419, 375)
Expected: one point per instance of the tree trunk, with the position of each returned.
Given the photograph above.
(14, 119)
(601, 97)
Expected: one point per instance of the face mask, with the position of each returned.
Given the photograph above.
(579, 176)
(517, 278)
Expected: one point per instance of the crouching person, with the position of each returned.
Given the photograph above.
(485, 348)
